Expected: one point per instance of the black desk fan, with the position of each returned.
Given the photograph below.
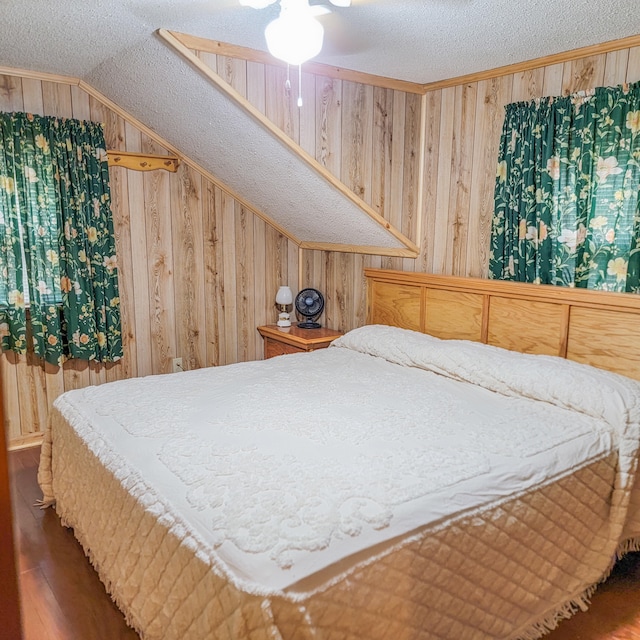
(309, 303)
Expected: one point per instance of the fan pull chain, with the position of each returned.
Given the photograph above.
(299, 85)
(287, 84)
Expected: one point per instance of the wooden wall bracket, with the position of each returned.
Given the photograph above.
(142, 161)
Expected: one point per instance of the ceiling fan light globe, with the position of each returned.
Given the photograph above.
(256, 4)
(294, 39)
(340, 3)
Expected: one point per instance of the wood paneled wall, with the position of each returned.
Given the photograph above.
(197, 272)
(368, 137)
(463, 126)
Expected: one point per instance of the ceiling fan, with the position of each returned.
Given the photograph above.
(295, 36)
(261, 4)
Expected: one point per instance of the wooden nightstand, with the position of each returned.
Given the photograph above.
(280, 341)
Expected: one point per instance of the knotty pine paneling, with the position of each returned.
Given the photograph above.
(197, 272)
(462, 133)
(368, 137)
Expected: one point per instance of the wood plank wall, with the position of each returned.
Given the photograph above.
(198, 272)
(368, 137)
(463, 126)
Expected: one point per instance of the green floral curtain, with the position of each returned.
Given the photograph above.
(56, 224)
(567, 191)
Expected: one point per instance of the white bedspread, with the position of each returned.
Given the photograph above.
(286, 472)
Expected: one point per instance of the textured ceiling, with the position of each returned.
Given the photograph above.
(112, 46)
(417, 40)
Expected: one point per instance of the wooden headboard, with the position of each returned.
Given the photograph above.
(594, 327)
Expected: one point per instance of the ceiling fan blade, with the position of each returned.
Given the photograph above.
(340, 3)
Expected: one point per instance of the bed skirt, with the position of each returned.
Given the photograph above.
(496, 574)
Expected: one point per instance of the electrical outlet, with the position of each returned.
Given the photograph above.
(176, 365)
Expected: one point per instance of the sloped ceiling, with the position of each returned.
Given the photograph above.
(113, 47)
(221, 137)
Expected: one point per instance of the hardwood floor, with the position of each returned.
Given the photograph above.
(614, 613)
(63, 599)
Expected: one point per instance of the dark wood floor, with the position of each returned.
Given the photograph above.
(63, 599)
(614, 613)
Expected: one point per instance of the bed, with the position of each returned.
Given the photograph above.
(420, 478)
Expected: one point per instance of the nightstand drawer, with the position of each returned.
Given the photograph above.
(273, 348)
(278, 342)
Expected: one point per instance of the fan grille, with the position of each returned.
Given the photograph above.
(309, 303)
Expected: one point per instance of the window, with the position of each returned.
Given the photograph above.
(51, 295)
(57, 247)
(567, 191)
